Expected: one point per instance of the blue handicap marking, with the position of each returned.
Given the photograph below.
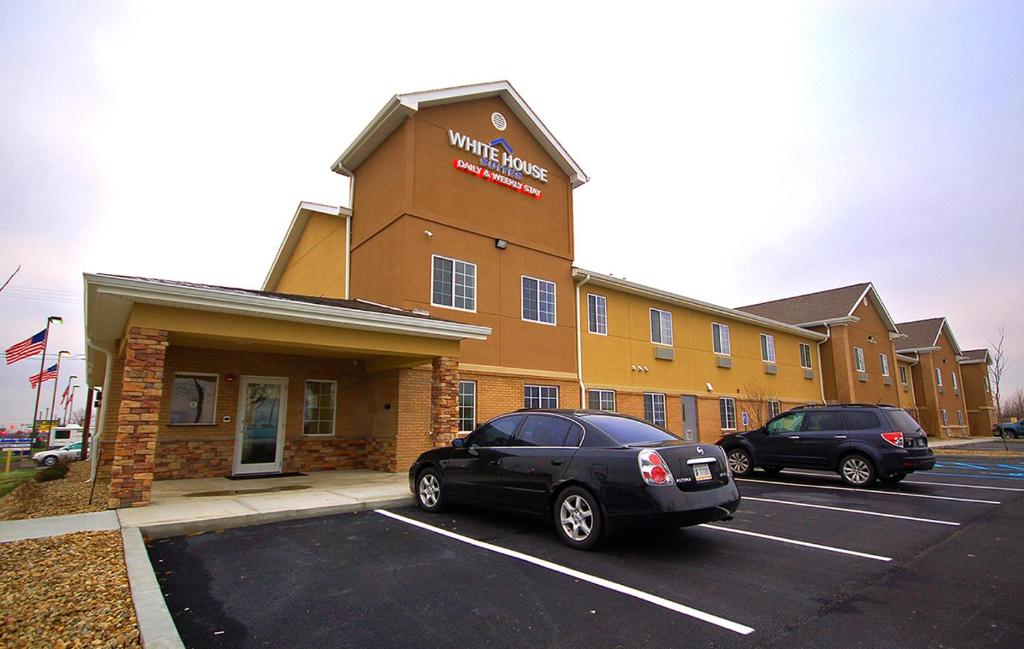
(1012, 467)
(965, 465)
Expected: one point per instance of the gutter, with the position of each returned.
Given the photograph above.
(94, 441)
(579, 344)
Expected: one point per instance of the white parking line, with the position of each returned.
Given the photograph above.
(872, 491)
(852, 511)
(942, 484)
(805, 544)
(582, 576)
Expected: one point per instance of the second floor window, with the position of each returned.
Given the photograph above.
(453, 284)
(538, 300)
(805, 356)
(661, 327)
(858, 359)
(720, 339)
(597, 314)
(885, 364)
(767, 348)
(938, 377)
(956, 383)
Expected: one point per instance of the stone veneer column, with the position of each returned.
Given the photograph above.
(131, 472)
(444, 400)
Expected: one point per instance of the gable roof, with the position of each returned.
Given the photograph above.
(291, 238)
(923, 335)
(972, 356)
(833, 306)
(401, 106)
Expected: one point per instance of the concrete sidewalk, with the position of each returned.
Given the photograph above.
(959, 441)
(205, 504)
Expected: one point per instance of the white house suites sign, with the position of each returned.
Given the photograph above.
(498, 164)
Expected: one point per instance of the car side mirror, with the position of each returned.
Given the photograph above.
(458, 442)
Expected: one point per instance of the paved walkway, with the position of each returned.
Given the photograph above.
(958, 441)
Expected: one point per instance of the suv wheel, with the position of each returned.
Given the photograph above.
(578, 518)
(857, 470)
(740, 462)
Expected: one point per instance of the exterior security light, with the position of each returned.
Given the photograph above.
(500, 244)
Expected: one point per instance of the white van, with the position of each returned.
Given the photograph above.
(64, 435)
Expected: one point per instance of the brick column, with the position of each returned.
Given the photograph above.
(444, 400)
(131, 472)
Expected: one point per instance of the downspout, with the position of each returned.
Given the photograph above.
(102, 415)
(348, 236)
(821, 373)
(579, 345)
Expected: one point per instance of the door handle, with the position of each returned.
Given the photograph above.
(839, 436)
(557, 462)
(492, 463)
(793, 437)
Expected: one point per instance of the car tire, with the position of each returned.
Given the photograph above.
(772, 470)
(578, 521)
(893, 478)
(857, 470)
(431, 495)
(49, 460)
(740, 461)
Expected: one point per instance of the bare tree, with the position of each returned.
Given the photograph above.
(78, 416)
(996, 371)
(757, 398)
(1014, 406)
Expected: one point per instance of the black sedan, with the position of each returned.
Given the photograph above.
(592, 472)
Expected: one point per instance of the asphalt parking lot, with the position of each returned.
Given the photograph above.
(934, 562)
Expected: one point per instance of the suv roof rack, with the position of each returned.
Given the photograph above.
(848, 405)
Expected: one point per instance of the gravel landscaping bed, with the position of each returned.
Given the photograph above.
(66, 591)
(69, 495)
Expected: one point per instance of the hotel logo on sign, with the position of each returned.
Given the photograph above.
(498, 163)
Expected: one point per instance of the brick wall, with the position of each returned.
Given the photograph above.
(497, 394)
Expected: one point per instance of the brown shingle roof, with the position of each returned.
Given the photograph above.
(812, 307)
(919, 334)
(975, 354)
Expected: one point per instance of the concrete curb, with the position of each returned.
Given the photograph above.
(194, 526)
(156, 628)
(37, 528)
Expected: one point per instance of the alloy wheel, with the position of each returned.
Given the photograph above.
(856, 470)
(430, 490)
(739, 462)
(576, 517)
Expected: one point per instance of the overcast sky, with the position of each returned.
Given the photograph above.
(735, 156)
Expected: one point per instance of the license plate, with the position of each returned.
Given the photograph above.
(701, 472)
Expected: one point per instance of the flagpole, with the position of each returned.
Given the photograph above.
(56, 386)
(71, 400)
(39, 386)
(64, 397)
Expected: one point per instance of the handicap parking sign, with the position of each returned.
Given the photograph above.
(746, 418)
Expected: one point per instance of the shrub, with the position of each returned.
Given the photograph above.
(55, 472)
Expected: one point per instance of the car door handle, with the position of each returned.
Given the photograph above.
(557, 462)
(493, 463)
(839, 437)
(793, 437)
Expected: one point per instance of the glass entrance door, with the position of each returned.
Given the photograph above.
(259, 437)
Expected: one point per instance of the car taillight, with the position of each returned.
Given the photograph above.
(654, 470)
(896, 439)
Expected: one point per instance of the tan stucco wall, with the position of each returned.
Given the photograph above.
(317, 264)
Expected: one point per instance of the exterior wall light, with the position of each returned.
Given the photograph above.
(500, 244)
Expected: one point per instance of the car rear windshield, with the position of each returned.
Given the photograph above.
(902, 421)
(629, 431)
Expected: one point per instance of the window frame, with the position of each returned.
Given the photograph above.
(726, 401)
(724, 345)
(956, 382)
(216, 394)
(859, 362)
(945, 417)
(774, 408)
(547, 415)
(960, 417)
(603, 311)
(661, 326)
(938, 376)
(334, 409)
(473, 427)
(768, 348)
(540, 395)
(654, 409)
(554, 298)
(600, 394)
(810, 360)
(454, 261)
(903, 374)
(884, 359)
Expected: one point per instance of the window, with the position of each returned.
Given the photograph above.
(956, 383)
(61, 433)
(862, 420)
(885, 364)
(960, 417)
(720, 339)
(538, 300)
(767, 348)
(601, 400)
(454, 284)
(938, 377)
(727, 412)
(545, 430)
(945, 417)
(858, 359)
(805, 356)
(597, 314)
(194, 399)
(903, 374)
(467, 406)
(661, 327)
(318, 415)
(540, 396)
(824, 421)
(629, 431)
(495, 433)
(787, 423)
(654, 408)
(774, 408)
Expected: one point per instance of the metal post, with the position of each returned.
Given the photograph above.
(39, 386)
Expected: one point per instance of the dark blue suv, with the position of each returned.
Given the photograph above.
(863, 443)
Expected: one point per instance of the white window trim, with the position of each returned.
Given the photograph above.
(734, 417)
(859, 362)
(945, 417)
(475, 399)
(334, 409)
(904, 378)
(810, 360)
(884, 360)
(956, 382)
(522, 299)
(599, 393)
(728, 337)
(558, 395)
(654, 408)
(768, 348)
(216, 395)
(476, 276)
(774, 408)
(605, 301)
(938, 376)
(661, 329)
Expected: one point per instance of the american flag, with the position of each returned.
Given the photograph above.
(64, 394)
(49, 374)
(26, 348)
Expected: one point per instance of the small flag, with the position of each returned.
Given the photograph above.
(48, 374)
(26, 348)
(64, 394)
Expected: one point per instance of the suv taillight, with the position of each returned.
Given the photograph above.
(653, 469)
(896, 439)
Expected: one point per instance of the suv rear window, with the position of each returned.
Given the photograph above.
(630, 431)
(902, 421)
(862, 420)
